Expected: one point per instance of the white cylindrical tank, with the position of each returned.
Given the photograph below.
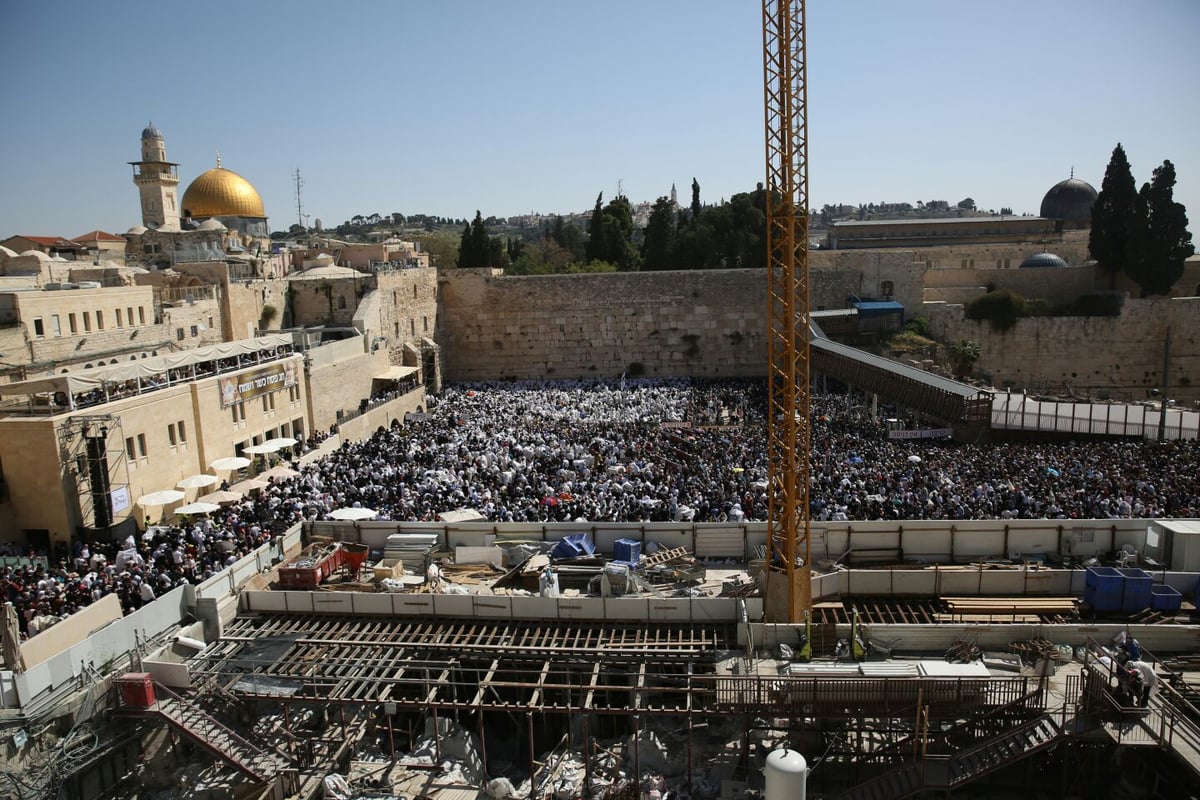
(786, 774)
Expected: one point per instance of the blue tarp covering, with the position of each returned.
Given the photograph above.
(878, 308)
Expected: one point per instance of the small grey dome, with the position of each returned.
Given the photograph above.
(1038, 260)
(151, 132)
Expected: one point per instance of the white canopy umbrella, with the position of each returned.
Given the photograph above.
(230, 463)
(197, 481)
(249, 485)
(163, 498)
(915, 459)
(279, 473)
(353, 513)
(281, 442)
(198, 508)
(222, 496)
(261, 449)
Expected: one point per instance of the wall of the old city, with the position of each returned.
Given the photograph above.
(245, 303)
(1055, 284)
(1123, 355)
(603, 325)
(327, 301)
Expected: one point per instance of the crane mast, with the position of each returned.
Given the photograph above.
(788, 574)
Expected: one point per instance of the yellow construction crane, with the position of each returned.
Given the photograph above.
(788, 575)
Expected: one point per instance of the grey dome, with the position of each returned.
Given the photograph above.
(1043, 260)
(151, 132)
(1069, 200)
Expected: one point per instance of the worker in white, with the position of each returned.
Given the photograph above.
(1149, 680)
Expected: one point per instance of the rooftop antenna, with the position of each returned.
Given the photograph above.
(299, 205)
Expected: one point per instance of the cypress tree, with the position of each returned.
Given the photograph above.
(1167, 242)
(1117, 225)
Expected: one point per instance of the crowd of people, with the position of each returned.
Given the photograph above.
(629, 451)
(645, 451)
(137, 569)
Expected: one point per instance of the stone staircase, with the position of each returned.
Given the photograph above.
(964, 766)
(262, 766)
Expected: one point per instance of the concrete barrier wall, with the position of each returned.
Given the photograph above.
(722, 609)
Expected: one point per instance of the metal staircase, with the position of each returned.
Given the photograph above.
(960, 768)
(260, 765)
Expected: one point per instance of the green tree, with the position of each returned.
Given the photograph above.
(1117, 223)
(1166, 241)
(595, 244)
(658, 244)
(963, 355)
(475, 248)
(465, 252)
(967, 203)
(695, 199)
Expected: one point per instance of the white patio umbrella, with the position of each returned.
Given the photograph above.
(249, 485)
(163, 498)
(197, 481)
(915, 459)
(230, 463)
(261, 449)
(198, 507)
(281, 442)
(279, 472)
(222, 496)
(353, 513)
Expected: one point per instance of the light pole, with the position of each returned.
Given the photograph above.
(1166, 383)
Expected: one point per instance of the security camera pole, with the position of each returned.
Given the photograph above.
(1166, 384)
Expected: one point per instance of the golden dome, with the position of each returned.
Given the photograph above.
(222, 193)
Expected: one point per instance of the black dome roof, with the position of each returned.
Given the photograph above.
(1070, 200)
(1043, 260)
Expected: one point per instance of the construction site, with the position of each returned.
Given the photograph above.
(387, 660)
(455, 660)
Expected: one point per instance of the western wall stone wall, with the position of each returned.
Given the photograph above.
(1121, 356)
(697, 323)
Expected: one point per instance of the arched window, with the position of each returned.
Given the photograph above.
(341, 301)
(87, 366)
(414, 291)
(887, 288)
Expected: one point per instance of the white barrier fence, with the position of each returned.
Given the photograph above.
(1021, 412)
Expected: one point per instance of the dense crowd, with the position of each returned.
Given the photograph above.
(630, 451)
(136, 570)
(644, 451)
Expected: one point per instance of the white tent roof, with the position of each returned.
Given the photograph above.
(95, 378)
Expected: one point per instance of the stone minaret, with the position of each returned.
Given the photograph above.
(157, 181)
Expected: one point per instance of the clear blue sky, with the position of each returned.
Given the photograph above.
(526, 105)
